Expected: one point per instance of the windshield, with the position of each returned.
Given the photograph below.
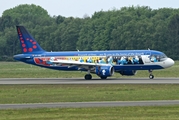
(163, 56)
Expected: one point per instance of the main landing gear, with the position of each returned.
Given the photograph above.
(103, 77)
(151, 76)
(88, 76)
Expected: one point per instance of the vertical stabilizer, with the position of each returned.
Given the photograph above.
(27, 42)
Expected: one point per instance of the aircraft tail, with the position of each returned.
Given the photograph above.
(27, 42)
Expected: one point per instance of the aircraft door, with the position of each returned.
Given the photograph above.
(146, 58)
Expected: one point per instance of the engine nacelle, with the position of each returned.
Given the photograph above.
(128, 72)
(104, 71)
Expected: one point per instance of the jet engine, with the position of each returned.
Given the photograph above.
(104, 71)
(128, 72)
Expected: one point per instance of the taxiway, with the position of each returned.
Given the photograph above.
(90, 104)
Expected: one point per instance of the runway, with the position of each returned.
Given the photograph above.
(93, 81)
(89, 104)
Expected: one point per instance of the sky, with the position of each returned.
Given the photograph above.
(79, 8)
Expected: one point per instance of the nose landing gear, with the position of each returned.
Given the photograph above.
(151, 76)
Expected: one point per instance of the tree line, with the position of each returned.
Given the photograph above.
(127, 28)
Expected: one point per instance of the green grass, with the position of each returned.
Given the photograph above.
(76, 93)
(103, 113)
(22, 70)
(80, 93)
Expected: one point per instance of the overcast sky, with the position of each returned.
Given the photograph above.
(78, 8)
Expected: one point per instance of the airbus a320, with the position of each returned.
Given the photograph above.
(102, 63)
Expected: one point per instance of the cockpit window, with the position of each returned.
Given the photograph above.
(163, 56)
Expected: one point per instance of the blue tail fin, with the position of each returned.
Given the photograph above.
(27, 42)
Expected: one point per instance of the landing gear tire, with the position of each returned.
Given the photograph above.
(88, 77)
(151, 76)
(103, 78)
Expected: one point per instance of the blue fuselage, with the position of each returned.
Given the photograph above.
(120, 59)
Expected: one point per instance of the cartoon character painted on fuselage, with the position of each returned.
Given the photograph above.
(89, 60)
(110, 60)
(123, 60)
(136, 60)
(81, 59)
(153, 59)
(101, 60)
(49, 61)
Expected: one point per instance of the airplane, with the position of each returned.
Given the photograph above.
(102, 63)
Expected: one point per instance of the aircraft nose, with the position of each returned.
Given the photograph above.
(169, 62)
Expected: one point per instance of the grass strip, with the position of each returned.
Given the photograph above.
(83, 93)
(102, 113)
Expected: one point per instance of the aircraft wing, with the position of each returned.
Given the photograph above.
(78, 63)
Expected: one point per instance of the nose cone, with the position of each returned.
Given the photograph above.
(169, 62)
